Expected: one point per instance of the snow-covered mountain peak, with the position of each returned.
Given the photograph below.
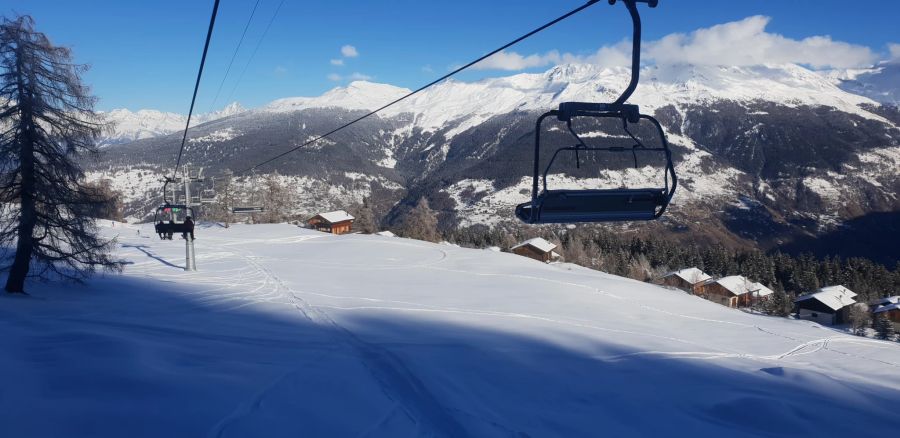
(135, 125)
(357, 95)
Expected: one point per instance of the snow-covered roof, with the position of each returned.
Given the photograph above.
(538, 243)
(386, 234)
(736, 284)
(336, 216)
(760, 290)
(835, 297)
(887, 300)
(838, 289)
(894, 306)
(690, 275)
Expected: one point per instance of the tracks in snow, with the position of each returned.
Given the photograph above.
(397, 381)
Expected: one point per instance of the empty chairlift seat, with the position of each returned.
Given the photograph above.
(598, 205)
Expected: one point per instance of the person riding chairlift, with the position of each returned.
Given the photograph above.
(189, 223)
(159, 230)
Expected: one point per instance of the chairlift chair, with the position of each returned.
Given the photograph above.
(208, 195)
(169, 219)
(254, 206)
(601, 205)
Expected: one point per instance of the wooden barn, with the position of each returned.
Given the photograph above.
(688, 279)
(334, 222)
(537, 248)
(829, 305)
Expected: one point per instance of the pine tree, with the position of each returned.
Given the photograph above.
(225, 194)
(421, 223)
(365, 217)
(884, 328)
(49, 128)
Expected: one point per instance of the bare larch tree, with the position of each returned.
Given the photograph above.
(47, 128)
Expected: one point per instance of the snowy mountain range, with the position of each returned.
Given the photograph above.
(128, 126)
(767, 155)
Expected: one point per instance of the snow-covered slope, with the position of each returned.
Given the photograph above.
(129, 126)
(286, 332)
(880, 83)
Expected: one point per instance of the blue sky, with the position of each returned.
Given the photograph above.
(144, 54)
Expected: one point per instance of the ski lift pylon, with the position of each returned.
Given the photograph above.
(601, 205)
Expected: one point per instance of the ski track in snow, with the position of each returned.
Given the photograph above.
(397, 380)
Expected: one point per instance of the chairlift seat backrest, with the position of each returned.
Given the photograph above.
(247, 210)
(569, 206)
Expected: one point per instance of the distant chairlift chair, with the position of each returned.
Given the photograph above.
(601, 205)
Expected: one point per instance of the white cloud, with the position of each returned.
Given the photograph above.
(513, 61)
(356, 76)
(741, 43)
(349, 51)
(746, 42)
(894, 48)
(359, 77)
(337, 62)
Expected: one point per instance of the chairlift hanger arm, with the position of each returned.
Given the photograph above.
(631, 5)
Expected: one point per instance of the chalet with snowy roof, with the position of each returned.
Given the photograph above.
(689, 279)
(886, 301)
(829, 305)
(890, 306)
(537, 248)
(733, 291)
(334, 222)
(759, 292)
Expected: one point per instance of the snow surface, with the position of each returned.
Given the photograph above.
(286, 332)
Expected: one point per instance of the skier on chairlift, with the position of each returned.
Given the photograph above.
(189, 224)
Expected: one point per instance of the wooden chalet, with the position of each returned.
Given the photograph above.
(537, 248)
(688, 279)
(829, 305)
(334, 222)
(733, 291)
(891, 307)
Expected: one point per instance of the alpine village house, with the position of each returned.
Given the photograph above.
(688, 279)
(828, 305)
(537, 248)
(334, 222)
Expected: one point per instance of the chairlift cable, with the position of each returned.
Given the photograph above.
(212, 23)
(255, 49)
(442, 78)
(233, 56)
